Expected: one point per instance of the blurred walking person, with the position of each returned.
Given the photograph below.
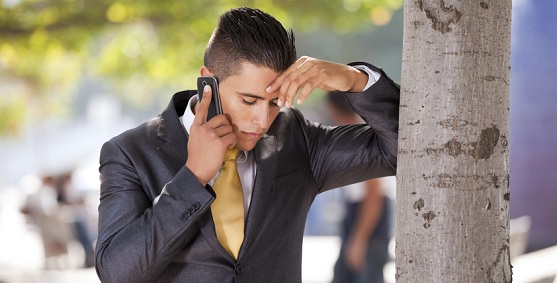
(365, 230)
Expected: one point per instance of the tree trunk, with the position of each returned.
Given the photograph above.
(453, 184)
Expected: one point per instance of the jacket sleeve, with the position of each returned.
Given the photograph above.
(138, 240)
(348, 154)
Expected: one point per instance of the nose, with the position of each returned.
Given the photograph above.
(261, 117)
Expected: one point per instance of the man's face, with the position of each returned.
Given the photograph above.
(250, 108)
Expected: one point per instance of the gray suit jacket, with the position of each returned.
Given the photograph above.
(175, 240)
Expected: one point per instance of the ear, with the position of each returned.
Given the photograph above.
(205, 72)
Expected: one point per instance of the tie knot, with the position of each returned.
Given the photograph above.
(231, 154)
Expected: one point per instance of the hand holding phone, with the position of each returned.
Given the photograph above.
(208, 139)
(215, 106)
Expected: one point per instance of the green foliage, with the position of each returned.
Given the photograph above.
(139, 46)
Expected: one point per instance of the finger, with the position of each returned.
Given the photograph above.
(280, 79)
(229, 140)
(319, 80)
(282, 95)
(218, 121)
(303, 84)
(277, 83)
(306, 90)
(223, 130)
(202, 107)
(288, 89)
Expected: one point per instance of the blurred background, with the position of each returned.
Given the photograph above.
(74, 73)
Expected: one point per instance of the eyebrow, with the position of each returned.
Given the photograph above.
(255, 96)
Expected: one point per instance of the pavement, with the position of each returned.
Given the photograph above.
(22, 257)
(21, 251)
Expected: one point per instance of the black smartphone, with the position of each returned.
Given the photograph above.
(215, 107)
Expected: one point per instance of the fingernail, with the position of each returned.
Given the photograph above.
(268, 89)
(206, 88)
(299, 101)
(287, 104)
(279, 102)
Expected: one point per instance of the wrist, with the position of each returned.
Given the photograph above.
(201, 180)
(360, 81)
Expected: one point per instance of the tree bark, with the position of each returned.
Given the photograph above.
(453, 173)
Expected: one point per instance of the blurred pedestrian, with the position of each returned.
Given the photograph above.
(58, 212)
(69, 198)
(365, 232)
(42, 210)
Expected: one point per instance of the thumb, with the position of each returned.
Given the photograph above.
(202, 107)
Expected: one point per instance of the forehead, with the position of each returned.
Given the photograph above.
(250, 79)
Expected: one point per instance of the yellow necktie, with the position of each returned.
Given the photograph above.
(228, 207)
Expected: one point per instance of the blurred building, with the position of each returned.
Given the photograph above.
(533, 114)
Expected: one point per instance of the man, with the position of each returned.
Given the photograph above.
(158, 216)
(365, 231)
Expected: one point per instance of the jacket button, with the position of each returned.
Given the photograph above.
(239, 269)
(185, 215)
(196, 205)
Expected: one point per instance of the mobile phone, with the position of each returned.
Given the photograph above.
(215, 106)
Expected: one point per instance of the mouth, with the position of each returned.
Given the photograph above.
(253, 135)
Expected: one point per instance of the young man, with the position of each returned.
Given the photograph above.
(162, 217)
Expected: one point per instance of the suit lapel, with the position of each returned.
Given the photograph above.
(266, 159)
(173, 151)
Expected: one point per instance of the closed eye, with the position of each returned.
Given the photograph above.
(251, 99)
(248, 102)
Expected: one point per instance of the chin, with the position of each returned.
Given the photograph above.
(245, 146)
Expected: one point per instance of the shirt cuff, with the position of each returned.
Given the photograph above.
(163, 192)
(372, 75)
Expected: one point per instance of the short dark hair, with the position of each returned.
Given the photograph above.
(248, 35)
